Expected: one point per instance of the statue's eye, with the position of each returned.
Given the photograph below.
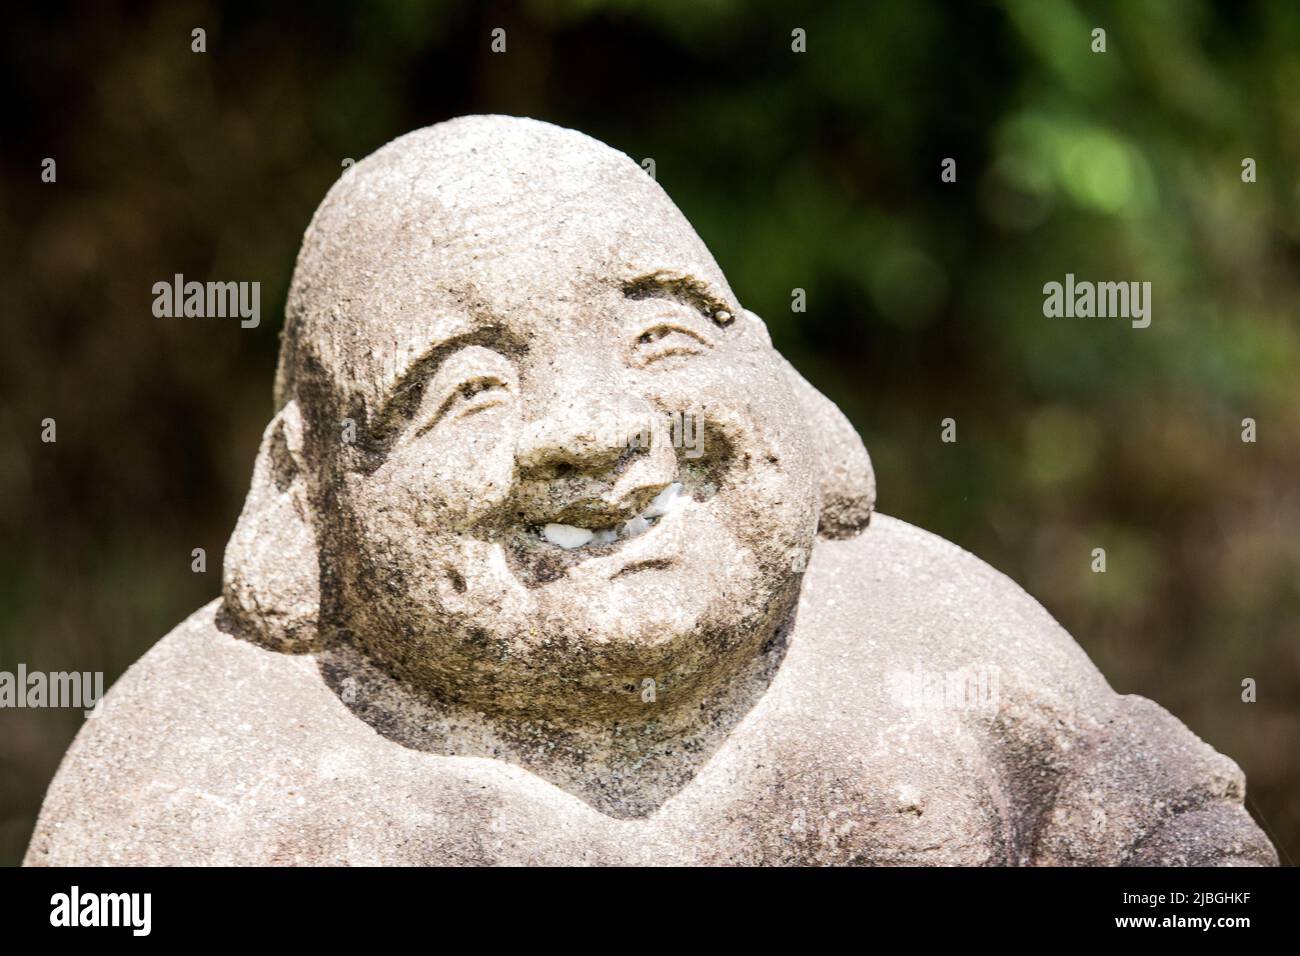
(468, 398)
(667, 339)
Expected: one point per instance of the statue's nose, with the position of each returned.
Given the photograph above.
(592, 462)
(587, 432)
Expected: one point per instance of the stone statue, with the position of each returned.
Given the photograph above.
(549, 557)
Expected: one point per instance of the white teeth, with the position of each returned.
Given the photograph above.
(569, 537)
(566, 535)
(664, 501)
(634, 527)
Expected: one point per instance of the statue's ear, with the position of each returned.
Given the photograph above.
(848, 484)
(271, 577)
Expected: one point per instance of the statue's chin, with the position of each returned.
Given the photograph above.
(685, 605)
(575, 661)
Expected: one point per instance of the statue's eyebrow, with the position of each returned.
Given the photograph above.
(686, 289)
(401, 397)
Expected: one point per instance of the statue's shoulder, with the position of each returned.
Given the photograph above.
(905, 631)
(212, 749)
(202, 734)
(899, 629)
(901, 595)
(202, 678)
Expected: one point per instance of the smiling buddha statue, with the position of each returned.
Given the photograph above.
(470, 615)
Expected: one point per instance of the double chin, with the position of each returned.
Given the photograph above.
(469, 633)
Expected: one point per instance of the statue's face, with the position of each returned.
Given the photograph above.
(594, 476)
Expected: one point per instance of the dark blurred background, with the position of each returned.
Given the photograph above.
(817, 171)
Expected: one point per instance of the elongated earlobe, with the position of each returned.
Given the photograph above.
(848, 483)
(271, 577)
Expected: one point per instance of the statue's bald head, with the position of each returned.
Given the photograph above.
(465, 222)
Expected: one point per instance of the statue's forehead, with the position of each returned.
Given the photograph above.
(509, 223)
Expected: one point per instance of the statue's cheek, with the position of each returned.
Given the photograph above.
(448, 482)
(741, 390)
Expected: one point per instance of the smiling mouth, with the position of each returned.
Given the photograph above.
(574, 538)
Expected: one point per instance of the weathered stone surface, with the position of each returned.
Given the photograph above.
(404, 668)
